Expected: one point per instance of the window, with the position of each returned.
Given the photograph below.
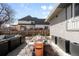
(46, 27)
(76, 9)
(69, 12)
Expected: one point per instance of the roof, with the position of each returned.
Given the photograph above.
(36, 20)
(59, 7)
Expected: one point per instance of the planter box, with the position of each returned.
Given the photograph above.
(14, 43)
(3, 48)
(7, 44)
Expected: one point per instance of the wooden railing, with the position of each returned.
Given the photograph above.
(30, 32)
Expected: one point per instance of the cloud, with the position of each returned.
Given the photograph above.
(50, 7)
(24, 6)
(44, 7)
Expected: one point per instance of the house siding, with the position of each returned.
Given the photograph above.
(58, 26)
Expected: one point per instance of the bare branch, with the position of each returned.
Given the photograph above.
(5, 13)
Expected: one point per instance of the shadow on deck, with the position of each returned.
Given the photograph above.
(49, 51)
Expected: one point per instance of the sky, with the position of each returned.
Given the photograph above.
(39, 10)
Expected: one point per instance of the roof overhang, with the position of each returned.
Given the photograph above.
(59, 7)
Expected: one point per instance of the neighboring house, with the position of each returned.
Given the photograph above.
(29, 22)
(24, 25)
(64, 23)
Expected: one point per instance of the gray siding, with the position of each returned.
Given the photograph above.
(58, 27)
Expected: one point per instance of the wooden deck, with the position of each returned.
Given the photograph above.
(27, 49)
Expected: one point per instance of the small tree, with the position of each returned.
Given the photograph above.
(6, 13)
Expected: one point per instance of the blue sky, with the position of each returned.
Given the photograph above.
(39, 10)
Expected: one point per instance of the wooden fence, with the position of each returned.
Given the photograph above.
(32, 32)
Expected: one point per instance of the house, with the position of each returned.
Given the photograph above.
(64, 24)
(29, 22)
